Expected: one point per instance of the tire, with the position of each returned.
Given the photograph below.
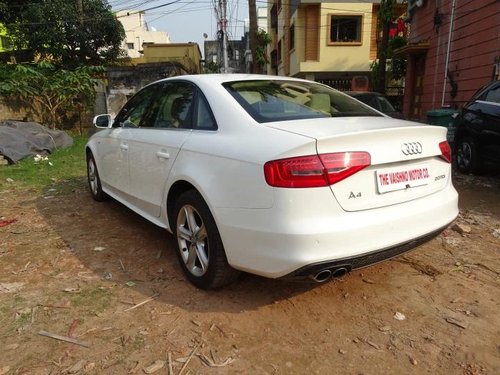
(94, 181)
(200, 250)
(466, 155)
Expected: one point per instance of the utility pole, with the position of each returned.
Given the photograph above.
(223, 30)
(252, 13)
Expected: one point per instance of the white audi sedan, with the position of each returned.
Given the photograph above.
(279, 177)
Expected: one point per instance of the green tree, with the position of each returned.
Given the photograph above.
(48, 91)
(72, 32)
(385, 53)
(263, 39)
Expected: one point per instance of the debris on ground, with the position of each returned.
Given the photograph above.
(10, 287)
(64, 338)
(413, 361)
(157, 365)
(461, 228)
(4, 223)
(399, 316)
(456, 322)
(77, 367)
(37, 158)
(141, 303)
(211, 361)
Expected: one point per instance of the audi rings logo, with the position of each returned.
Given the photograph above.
(411, 148)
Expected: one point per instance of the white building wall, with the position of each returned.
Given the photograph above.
(262, 18)
(137, 32)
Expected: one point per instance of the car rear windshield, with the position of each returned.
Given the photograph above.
(281, 100)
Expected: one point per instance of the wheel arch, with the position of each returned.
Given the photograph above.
(463, 133)
(179, 187)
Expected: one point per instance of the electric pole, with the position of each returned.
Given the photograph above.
(223, 30)
(252, 13)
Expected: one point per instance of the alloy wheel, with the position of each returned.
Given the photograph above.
(93, 182)
(192, 238)
(464, 155)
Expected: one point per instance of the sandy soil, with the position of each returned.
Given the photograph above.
(71, 266)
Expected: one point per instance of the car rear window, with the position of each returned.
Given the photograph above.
(281, 100)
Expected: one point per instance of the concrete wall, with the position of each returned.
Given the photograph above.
(187, 54)
(124, 81)
(137, 32)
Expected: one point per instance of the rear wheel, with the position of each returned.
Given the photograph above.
(200, 250)
(94, 181)
(466, 155)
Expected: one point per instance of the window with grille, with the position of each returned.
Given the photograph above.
(345, 29)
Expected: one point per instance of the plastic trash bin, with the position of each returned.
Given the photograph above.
(443, 117)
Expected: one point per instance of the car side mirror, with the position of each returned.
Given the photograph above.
(103, 121)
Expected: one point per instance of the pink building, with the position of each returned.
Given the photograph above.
(454, 49)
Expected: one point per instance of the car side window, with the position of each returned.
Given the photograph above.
(203, 118)
(132, 114)
(493, 95)
(173, 106)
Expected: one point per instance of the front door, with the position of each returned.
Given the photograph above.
(155, 145)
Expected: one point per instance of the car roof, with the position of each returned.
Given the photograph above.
(223, 78)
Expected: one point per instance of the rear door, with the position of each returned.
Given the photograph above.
(489, 113)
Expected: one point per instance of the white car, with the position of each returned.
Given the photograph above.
(275, 176)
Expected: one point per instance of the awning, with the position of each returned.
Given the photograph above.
(412, 49)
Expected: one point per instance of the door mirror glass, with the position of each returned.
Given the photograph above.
(102, 121)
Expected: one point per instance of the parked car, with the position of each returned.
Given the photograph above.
(377, 101)
(477, 130)
(279, 177)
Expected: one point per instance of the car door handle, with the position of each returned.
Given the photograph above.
(124, 146)
(163, 155)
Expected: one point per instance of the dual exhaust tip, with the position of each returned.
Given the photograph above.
(328, 273)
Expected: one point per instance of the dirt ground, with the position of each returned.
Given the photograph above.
(77, 268)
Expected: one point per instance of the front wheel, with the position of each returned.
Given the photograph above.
(94, 181)
(466, 155)
(200, 249)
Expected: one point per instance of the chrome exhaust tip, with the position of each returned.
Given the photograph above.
(322, 276)
(339, 272)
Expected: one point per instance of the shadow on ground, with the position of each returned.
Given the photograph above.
(138, 251)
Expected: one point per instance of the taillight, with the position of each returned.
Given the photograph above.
(314, 170)
(445, 151)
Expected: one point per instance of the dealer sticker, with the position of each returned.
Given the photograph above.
(398, 178)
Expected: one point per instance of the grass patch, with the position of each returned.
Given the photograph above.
(139, 342)
(23, 319)
(92, 300)
(67, 165)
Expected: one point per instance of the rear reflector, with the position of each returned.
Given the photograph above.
(314, 170)
(445, 151)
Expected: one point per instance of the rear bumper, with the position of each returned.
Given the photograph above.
(300, 233)
(351, 263)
